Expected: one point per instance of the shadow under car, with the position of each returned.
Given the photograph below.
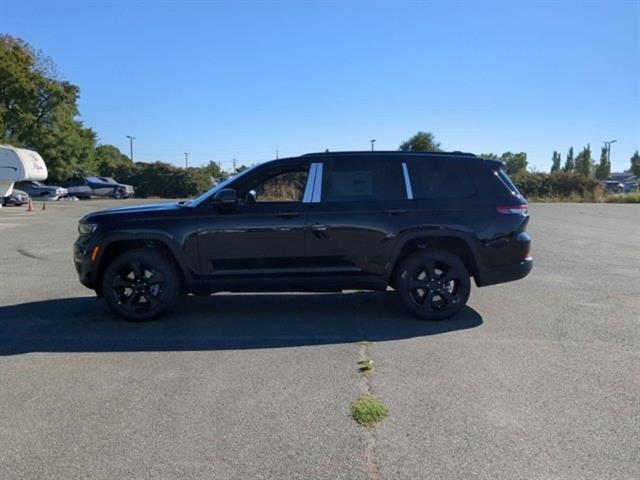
(218, 322)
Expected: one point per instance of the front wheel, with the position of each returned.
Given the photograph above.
(433, 284)
(140, 285)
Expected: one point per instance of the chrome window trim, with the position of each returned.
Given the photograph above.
(317, 185)
(311, 178)
(407, 181)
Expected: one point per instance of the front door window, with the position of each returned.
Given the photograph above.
(284, 187)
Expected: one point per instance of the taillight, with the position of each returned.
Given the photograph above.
(521, 209)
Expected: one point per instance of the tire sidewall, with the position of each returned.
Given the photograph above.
(407, 269)
(171, 288)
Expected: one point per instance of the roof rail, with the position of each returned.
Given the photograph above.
(394, 152)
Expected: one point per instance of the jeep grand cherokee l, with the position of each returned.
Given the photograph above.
(421, 223)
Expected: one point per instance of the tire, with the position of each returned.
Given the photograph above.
(141, 285)
(433, 284)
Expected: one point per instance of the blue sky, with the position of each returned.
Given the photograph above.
(240, 79)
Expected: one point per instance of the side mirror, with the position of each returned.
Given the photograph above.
(226, 196)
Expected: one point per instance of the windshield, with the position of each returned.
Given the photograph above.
(202, 198)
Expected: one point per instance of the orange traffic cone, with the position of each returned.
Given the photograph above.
(30, 206)
(44, 205)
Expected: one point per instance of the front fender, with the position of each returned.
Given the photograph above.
(142, 238)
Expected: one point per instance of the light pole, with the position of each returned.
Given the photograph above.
(186, 159)
(373, 140)
(131, 139)
(607, 145)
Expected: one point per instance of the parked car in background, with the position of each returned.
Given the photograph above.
(77, 186)
(17, 198)
(40, 191)
(108, 187)
(613, 186)
(630, 187)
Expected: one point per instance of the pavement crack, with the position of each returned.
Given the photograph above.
(372, 468)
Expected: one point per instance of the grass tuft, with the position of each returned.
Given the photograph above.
(368, 410)
(363, 343)
(366, 366)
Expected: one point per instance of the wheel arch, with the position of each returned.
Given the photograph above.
(123, 243)
(455, 243)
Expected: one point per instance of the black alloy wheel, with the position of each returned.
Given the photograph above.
(140, 285)
(434, 284)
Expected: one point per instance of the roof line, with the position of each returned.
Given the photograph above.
(394, 152)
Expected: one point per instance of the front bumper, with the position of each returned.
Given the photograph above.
(86, 267)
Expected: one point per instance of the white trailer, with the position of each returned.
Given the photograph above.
(17, 164)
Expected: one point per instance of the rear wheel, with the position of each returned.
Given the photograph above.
(140, 285)
(433, 284)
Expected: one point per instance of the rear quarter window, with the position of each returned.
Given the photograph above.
(504, 178)
(439, 178)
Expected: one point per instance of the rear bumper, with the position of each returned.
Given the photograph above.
(506, 273)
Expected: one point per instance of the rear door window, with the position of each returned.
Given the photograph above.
(349, 179)
(439, 178)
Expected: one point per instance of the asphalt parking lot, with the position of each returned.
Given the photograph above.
(535, 379)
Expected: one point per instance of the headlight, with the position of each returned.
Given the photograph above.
(87, 228)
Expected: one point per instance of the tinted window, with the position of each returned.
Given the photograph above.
(439, 178)
(502, 174)
(283, 187)
(362, 180)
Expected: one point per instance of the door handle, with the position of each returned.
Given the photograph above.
(287, 214)
(318, 227)
(396, 211)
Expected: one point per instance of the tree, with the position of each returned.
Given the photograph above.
(515, 162)
(108, 160)
(583, 163)
(557, 161)
(37, 110)
(421, 142)
(604, 167)
(213, 170)
(635, 164)
(569, 164)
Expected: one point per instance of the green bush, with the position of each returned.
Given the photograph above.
(163, 179)
(558, 186)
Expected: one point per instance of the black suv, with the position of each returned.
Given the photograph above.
(421, 223)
